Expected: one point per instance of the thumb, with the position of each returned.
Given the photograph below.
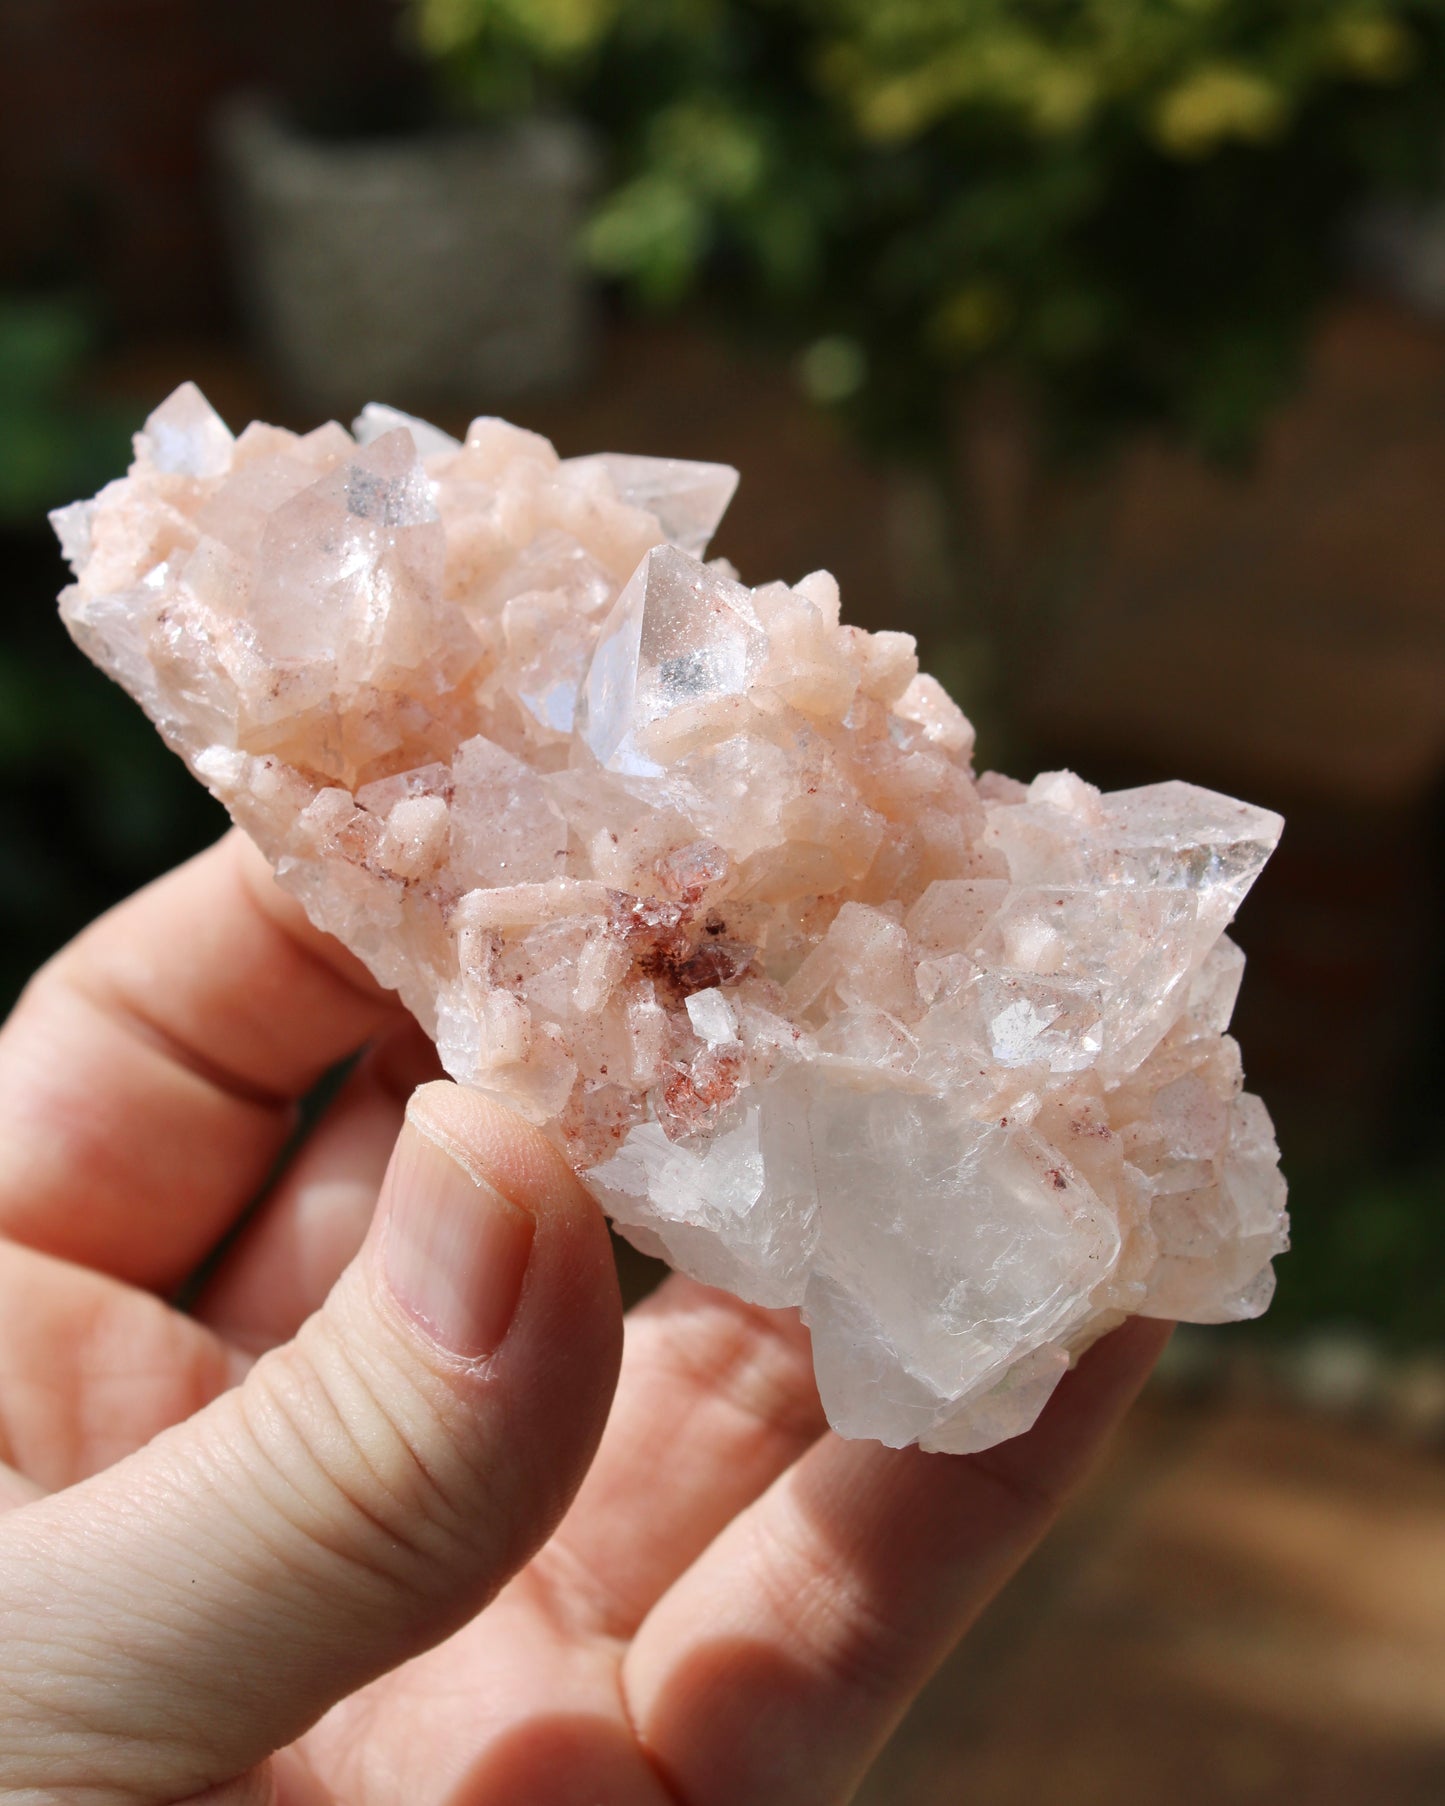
(173, 1621)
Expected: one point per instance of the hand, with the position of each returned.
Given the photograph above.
(323, 1512)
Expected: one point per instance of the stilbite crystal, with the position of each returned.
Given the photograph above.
(702, 881)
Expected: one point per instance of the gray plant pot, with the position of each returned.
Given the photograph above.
(417, 270)
(1399, 248)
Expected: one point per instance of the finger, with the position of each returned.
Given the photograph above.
(288, 1257)
(148, 1074)
(287, 1780)
(91, 1370)
(776, 1668)
(716, 1398)
(16, 1489)
(173, 1621)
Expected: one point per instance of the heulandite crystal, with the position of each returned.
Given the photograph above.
(703, 882)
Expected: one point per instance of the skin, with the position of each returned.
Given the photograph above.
(287, 1549)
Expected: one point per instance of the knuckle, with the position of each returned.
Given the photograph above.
(823, 1604)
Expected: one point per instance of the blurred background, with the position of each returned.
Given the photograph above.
(1101, 344)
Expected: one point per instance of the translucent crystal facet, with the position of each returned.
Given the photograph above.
(703, 882)
(687, 500)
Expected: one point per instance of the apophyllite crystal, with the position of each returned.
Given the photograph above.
(703, 882)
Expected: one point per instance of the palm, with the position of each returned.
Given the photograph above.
(726, 1565)
(531, 1701)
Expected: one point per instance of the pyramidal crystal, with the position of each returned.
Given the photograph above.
(702, 882)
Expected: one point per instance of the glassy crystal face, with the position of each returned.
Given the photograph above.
(672, 665)
(703, 882)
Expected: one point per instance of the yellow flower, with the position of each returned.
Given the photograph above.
(971, 319)
(1375, 49)
(445, 25)
(1061, 98)
(564, 27)
(1215, 104)
(551, 27)
(892, 111)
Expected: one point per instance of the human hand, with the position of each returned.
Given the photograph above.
(323, 1513)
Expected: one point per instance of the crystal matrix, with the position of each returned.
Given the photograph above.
(702, 881)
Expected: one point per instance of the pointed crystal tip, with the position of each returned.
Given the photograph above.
(688, 500)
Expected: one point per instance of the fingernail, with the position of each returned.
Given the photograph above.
(454, 1251)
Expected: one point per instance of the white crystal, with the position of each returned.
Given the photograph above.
(713, 1017)
(687, 499)
(702, 881)
(672, 665)
(187, 437)
(376, 419)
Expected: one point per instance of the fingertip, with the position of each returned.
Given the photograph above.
(498, 1145)
(576, 1305)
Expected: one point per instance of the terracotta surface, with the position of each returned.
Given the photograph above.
(1247, 1609)
(1287, 620)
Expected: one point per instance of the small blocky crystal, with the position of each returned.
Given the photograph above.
(702, 881)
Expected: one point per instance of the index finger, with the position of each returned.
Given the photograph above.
(150, 1072)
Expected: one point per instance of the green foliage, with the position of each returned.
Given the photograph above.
(1133, 204)
(1369, 1251)
(51, 449)
(91, 802)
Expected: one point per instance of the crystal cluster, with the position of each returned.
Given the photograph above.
(702, 881)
